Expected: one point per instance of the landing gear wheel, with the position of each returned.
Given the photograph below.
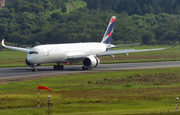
(58, 67)
(54, 67)
(34, 70)
(84, 68)
(62, 67)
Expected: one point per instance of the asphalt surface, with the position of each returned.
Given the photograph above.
(6, 73)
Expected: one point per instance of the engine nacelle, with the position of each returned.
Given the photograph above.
(30, 64)
(90, 61)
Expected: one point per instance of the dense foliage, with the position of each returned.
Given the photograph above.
(140, 7)
(33, 22)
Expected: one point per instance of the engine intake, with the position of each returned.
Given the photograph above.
(90, 61)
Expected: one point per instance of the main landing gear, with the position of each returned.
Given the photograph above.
(86, 68)
(58, 67)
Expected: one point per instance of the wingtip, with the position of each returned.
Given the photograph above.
(176, 43)
(173, 45)
(3, 42)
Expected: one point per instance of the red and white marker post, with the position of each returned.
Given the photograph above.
(176, 103)
(38, 98)
(38, 93)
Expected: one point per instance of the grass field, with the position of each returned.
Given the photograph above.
(110, 93)
(137, 92)
(16, 58)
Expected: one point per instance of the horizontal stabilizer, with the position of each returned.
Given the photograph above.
(111, 47)
(113, 52)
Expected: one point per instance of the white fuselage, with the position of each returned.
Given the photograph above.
(58, 53)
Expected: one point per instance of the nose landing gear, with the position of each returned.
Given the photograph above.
(34, 68)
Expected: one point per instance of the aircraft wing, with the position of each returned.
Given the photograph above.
(113, 52)
(15, 48)
(110, 53)
(126, 51)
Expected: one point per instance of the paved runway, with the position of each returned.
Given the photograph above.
(6, 73)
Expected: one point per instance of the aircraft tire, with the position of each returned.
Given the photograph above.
(58, 67)
(54, 67)
(62, 67)
(84, 68)
(34, 70)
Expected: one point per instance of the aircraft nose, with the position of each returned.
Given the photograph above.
(30, 58)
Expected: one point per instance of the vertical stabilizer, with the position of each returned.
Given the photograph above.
(109, 31)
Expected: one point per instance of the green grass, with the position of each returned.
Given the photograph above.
(121, 92)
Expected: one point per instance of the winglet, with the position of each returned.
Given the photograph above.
(3, 43)
(173, 45)
(15, 48)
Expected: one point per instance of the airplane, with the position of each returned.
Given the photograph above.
(86, 53)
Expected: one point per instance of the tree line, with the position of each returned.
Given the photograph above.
(139, 7)
(34, 22)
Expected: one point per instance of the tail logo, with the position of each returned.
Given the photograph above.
(109, 31)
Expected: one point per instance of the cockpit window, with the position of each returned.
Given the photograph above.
(33, 52)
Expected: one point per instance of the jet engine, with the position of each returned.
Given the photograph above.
(30, 64)
(90, 61)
